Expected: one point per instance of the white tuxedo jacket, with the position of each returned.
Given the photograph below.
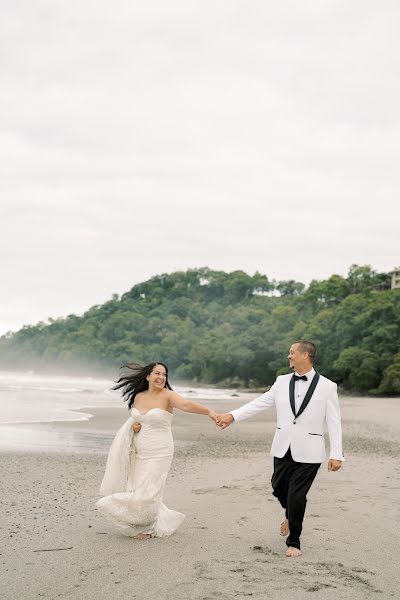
(304, 434)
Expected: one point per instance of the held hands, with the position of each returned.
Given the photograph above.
(223, 421)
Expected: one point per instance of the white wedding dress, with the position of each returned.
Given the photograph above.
(136, 471)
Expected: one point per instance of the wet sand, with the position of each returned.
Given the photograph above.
(55, 545)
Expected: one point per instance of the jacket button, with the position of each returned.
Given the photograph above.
(294, 422)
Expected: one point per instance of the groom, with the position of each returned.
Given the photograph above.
(303, 401)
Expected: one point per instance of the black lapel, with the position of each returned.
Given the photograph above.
(291, 395)
(307, 397)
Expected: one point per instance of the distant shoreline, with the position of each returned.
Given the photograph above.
(235, 387)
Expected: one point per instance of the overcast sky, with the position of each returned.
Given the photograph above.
(146, 137)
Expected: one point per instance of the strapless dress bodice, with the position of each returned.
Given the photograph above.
(155, 418)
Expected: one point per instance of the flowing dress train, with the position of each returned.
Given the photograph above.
(136, 472)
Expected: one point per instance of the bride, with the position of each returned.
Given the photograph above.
(141, 454)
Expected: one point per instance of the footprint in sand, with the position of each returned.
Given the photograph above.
(264, 550)
(319, 586)
(341, 576)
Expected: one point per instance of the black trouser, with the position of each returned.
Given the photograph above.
(290, 483)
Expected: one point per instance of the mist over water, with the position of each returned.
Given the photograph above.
(30, 398)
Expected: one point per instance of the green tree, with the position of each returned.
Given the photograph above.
(290, 287)
(390, 383)
(358, 369)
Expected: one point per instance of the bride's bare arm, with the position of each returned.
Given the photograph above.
(176, 401)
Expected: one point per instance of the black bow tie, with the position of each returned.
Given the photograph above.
(303, 377)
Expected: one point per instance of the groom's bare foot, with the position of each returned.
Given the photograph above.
(285, 527)
(293, 552)
(143, 536)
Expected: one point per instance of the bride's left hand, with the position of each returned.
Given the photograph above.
(136, 427)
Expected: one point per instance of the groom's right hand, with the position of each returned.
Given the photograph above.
(224, 420)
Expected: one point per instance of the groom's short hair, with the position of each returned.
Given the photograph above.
(307, 346)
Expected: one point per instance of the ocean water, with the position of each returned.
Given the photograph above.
(31, 406)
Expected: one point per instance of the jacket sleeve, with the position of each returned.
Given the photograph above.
(334, 425)
(255, 406)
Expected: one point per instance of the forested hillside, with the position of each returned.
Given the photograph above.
(230, 328)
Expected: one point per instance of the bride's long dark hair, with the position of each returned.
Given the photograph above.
(135, 380)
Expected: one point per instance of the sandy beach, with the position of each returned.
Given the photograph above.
(55, 545)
